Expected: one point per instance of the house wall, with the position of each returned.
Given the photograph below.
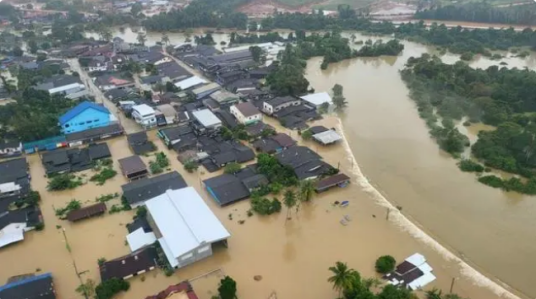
(243, 119)
(87, 119)
(12, 151)
(195, 255)
(268, 108)
(146, 121)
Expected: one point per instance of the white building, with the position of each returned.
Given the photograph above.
(190, 82)
(207, 119)
(68, 85)
(187, 226)
(317, 99)
(246, 113)
(144, 115)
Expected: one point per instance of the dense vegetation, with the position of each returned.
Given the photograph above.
(109, 288)
(379, 48)
(288, 78)
(482, 12)
(385, 264)
(505, 98)
(227, 288)
(64, 182)
(202, 13)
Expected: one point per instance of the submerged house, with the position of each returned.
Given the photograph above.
(130, 265)
(29, 287)
(138, 192)
(305, 163)
(85, 116)
(188, 228)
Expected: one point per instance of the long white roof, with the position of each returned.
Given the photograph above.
(318, 99)
(192, 81)
(422, 281)
(206, 118)
(185, 221)
(416, 259)
(12, 233)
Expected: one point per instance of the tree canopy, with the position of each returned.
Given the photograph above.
(501, 97)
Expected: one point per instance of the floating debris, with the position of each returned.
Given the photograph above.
(257, 277)
(241, 221)
(345, 203)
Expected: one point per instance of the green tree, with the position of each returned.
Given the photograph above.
(306, 190)
(32, 45)
(190, 166)
(136, 9)
(307, 135)
(256, 53)
(232, 168)
(17, 51)
(109, 288)
(227, 288)
(86, 289)
(342, 278)
(385, 264)
(141, 38)
(289, 201)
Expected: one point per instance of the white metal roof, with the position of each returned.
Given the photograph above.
(327, 137)
(192, 81)
(143, 109)
(425, 268)
(139, 238)
(422, 281)
(206, 118)
(9, 187)
(185, 221)
(416, 259)
(318, 99)
(169, 255)
(12, 233)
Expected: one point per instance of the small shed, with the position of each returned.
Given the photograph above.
(133, 168)
(340, 180)
(317, 99)
(327, 137)
(87, 212)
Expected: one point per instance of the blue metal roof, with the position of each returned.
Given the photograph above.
(79, 109)
(25, 281)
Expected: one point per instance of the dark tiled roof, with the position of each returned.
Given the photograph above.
(311, 169)
(34, 287)
(224, 158)
(227, 118)
(281, 100)
(266, 145)
(99, 151)
(132, 164)
(175, 133)
(147, 188)
(244, 154)
(139, 223)
(184, 286)
(255, 181)
(137, 138)
(256, 129)
(13, 170)
(143, 259)
(296, 156)
(95, 133)
(283, 140)
(87, 212)
(332, 181)
(227, 188)
(247, 109)
(318, 129)
(9, 144)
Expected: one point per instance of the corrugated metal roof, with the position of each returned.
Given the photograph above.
(79, 109)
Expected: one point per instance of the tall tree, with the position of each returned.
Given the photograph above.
(342, 277)
(338, 99)
(306, 190)
(256, 53)
(289, 201)
(142, 38)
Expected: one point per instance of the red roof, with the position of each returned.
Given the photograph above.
(184, 286)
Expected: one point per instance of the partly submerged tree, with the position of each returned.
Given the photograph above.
(142, 38)
(385, 264)
(342, 277)
(289, 201)
(306, 190)
(338, 99)
(227, 288)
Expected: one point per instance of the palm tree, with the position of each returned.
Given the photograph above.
(342, 278)
(289, 201)
(306, 191)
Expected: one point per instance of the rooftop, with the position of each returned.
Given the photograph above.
(226, 189)
(206, 118)
(318, 99)
(247, 109)
(130, 264)
(81, 108)
(95, 133)
(190, 82)
(205, 88)
(34, 287)
(87, 212)
(327, 137)
(147, 188)
(185, 221)
(132, 164)
(223, 96)
(143, 109)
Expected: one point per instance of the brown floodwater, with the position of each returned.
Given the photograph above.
(489, 228)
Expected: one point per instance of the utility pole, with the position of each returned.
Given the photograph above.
(452, 285)
(387, 214)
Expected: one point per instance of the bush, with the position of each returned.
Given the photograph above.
(232, 168)
(63, 182)
(155, 167)
(162, 159)
(71, 206)
(190, 166)
(227, 288)
(107, 197)
(104, 175)
(466, 56)
(109, 288)
(141, 212)
(470, 166)
(264, 206)
(385, 264)
(307, 135)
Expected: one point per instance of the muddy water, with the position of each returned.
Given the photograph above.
(489, 228)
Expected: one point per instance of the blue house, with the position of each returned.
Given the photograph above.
(85, 116)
